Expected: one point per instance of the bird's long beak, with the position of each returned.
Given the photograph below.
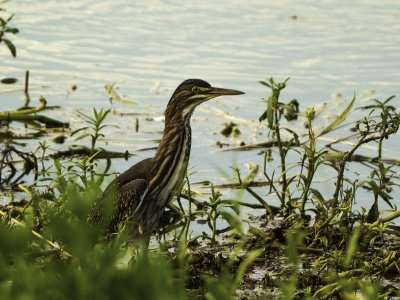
(223, 92)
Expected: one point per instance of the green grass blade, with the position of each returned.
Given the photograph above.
(340, 119)
(352, 247)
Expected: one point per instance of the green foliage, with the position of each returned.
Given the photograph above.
(95, 270)
(6, 29)
(55, 253)
(95, 126)
(293, 241)
(339, 120)
(92, 273)
(299, 187)
(335, 223)
(274, 108)
(227, 209)
(352, 247)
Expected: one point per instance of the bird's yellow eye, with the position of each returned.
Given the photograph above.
(198, 89)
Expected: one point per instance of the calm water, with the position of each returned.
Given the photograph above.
(148, 47)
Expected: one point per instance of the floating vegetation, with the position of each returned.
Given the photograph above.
(30, 115)
(76, 150)
(230, 129)
(9, 80)
(114, 96)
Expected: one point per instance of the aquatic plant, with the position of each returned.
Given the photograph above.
(319, 245)
(95, 126)
(6, 29)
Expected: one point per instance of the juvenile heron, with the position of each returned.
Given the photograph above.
(143, 191)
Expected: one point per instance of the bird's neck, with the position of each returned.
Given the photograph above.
(172, 156)
(177, 134)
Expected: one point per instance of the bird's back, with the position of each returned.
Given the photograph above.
(139, 170)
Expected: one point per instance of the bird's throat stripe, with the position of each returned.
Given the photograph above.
(170, 159)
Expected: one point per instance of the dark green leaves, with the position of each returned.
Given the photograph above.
(272, 113)
(4, 28)
(11, 47)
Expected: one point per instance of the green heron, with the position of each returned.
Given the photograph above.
(142, 192)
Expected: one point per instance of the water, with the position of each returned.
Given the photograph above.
(148, 47)
(325, 47)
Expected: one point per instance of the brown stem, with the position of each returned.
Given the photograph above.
(347, 157)
(283, 165)
(27, 97)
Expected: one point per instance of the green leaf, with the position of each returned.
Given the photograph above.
(229, 204)
(78, 130)
(340, 119)
(265, 83)
(232, 219)
(10, 17)
(318, 196)
(304, 178)
(372, 241)
(94, 155)
(379, 191)
(57, 165)
(324, 241)
(352, 247)
(11, 47)
(388, 99)
(108, 125)
(293, 241)
(12, 30)
(100, 117)
(86, 118)
(252, 173)
(263, 116)
(373, 213)
(250, 258)
(82, 136)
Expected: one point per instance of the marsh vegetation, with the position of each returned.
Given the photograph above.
(285, 233)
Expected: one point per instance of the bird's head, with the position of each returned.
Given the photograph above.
(192, 92)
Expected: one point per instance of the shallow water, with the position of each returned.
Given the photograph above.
(148, 48)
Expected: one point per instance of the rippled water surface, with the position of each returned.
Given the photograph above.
(148, 47)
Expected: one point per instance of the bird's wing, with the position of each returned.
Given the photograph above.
(130, 196)
(123, 200)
